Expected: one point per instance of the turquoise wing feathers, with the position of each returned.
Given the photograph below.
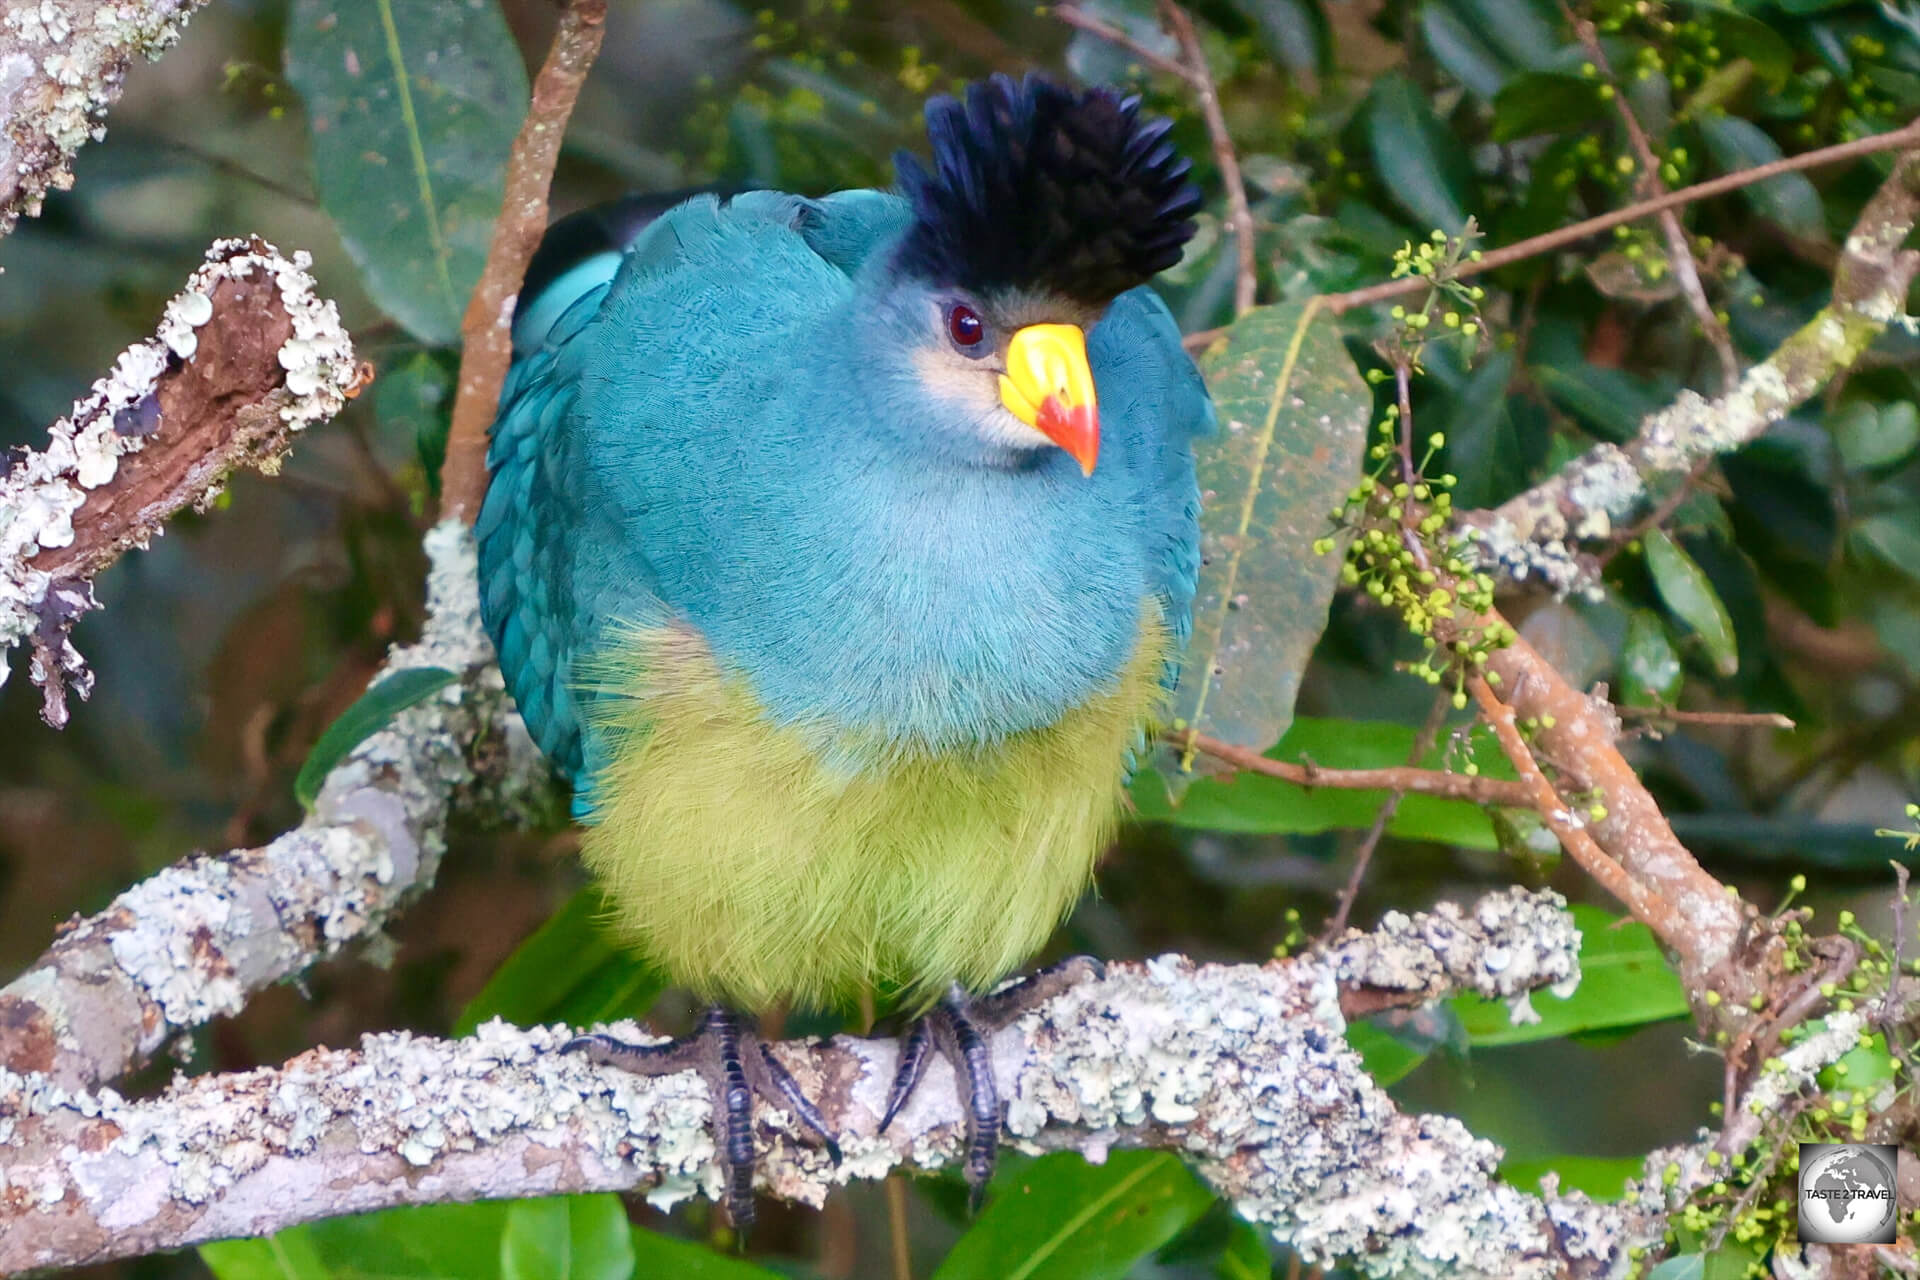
(555, 569)
(546, 608)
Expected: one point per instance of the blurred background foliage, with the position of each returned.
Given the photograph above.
(1788, 579)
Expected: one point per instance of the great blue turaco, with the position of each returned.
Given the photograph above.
(841, 551)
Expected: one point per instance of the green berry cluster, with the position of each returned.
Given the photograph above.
(1399, 556)
(1294, 938)
(1910, 838)
(1450, 303)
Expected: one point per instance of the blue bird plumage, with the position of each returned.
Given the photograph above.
(737, 437)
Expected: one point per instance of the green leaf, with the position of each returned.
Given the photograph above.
(1871, 436)
(1545, 102)
(1295, 30)
(1688, 1266)
(1526, 31)
(290, 1255)
(1789, 200)
(1246, 1256)
(1387, 1058)
(423, 1242)
(1684, 585)
(1624, 982)
(1607, 402)
(405, 688)
(1484, 447)
(1258, 805)
(413, 398)
(1732, 1261)
(567, 1238)
(1293, 421)
(660, 1257)
(568, 970)
(1650, 672)
(1065, 1219)
(1894, 538)
(1602, 1177)
(411, 109)
(1102, 61)
(1457, 46)
(1427, 167)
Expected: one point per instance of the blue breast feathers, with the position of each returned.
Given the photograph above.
(687, 440)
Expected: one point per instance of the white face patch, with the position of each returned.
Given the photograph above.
(970, 392)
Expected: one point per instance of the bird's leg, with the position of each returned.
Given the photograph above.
(959, 1027)
(736, 1064)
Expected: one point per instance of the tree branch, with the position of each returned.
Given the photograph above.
(1242, 1069)
(1536, 536)
(1081, 20)
(246, 355)
(1548, 242)
(62, 65)
(193, 942)
(1246, 277)
(1500, 792)
(486, 330)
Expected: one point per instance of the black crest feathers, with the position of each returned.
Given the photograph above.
(1039, 188)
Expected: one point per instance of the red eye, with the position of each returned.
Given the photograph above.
(964, 325)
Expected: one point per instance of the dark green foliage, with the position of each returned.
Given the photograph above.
(366, 717)
(1787, 579)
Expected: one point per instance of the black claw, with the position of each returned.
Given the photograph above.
(736, 1066)
(975, 1064)
(998, 1008)
(789, 1089)
(913, 1065)
(959, 1028)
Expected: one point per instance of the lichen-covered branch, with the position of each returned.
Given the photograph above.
(62, 65)
(1537, 536)
(246, 355)
(1242, 1069)
(193, 942)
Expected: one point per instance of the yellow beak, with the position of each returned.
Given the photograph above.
(1049, 386)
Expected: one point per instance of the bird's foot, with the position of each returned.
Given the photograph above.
(959, 1028)
(736, 1064)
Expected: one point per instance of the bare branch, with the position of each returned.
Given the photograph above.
(1500, 792)
(486, 331)
(1246, 276)
(1548, 242)
(246, 355)
(62, 65)
(1243, 1070)
(1535, 537)
(193, 942)
(1079, 19)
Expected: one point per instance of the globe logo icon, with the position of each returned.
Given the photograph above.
(1847, 1193)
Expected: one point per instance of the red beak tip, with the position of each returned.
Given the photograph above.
(1075, 429)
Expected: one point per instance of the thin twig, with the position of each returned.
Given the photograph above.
(1499, 792)
(1660, 514)
(1736, 719)
(1534, 246)
(1078, 18)
(1422, 743)
(486, 331)
(1239, 217)
(1889, 1005)
(1679, 252)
